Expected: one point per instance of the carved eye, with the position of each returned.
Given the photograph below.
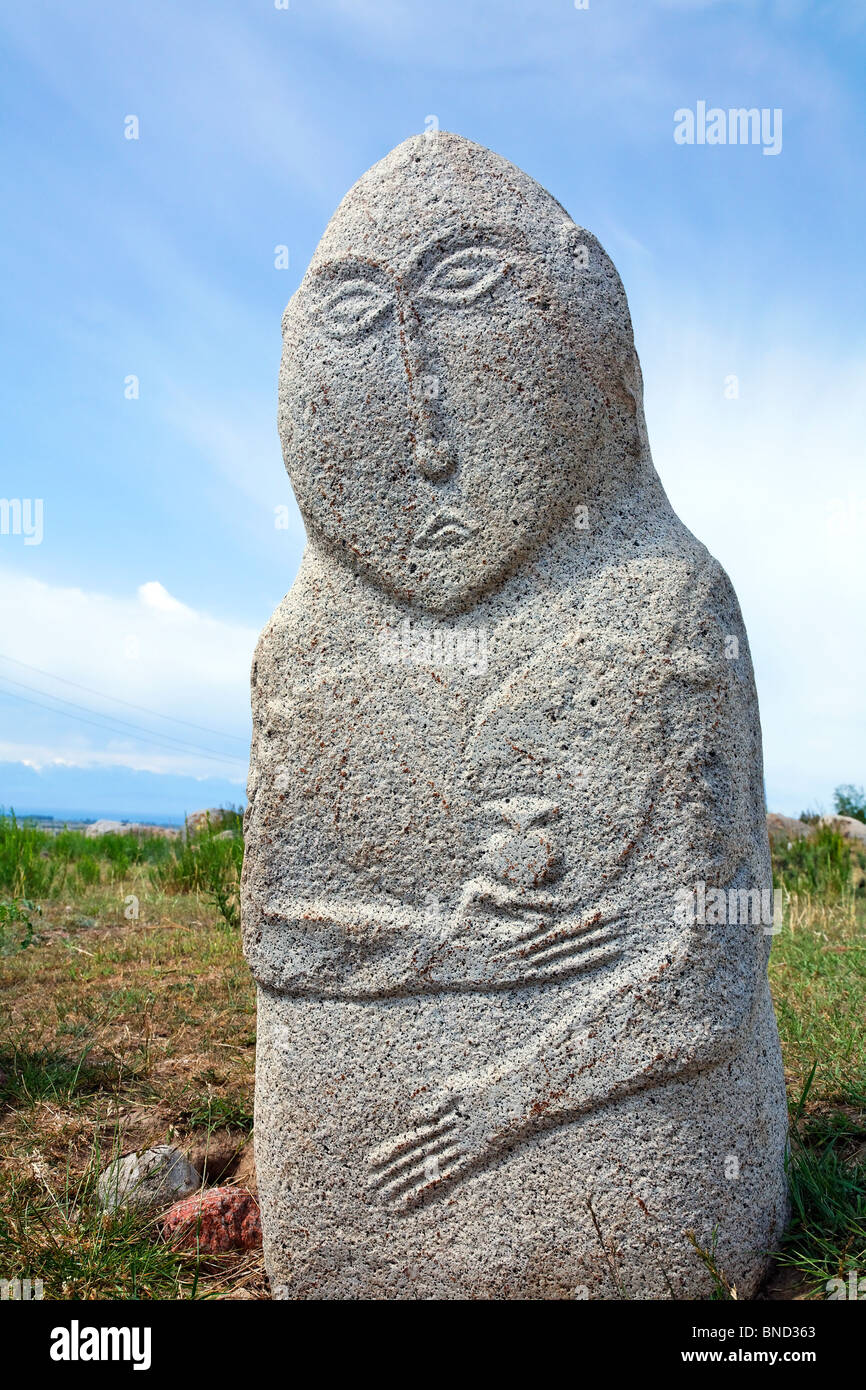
(353, 308)
(465, 275)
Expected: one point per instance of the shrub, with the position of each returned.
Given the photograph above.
(820, 863)
(16, 926)
(850, 801)
(27, 867)
(206, 864)
(87, 870)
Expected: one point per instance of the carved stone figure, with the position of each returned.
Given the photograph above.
(507, 879)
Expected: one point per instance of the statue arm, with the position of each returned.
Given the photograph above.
(683, 993)
(671, 1013)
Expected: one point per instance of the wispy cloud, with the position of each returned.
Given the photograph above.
(117, 659)
(772, 483)
(156, 258)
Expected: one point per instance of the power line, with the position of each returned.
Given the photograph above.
(115, 699)
(137, 728)
(146, 738)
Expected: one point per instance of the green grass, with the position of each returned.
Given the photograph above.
(208, 865)
(723, 1290)
(60, 1234)
(141, 1028)
(818, 979)
(130, 1019)
(818, 974)
(220, 1112)
(827, 1173)
(819, 864)
(37, 865)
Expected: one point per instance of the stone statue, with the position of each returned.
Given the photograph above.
(507, 879)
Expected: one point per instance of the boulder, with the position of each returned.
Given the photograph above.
(213, 816)
(219, 1220)
(149, 1179)
(104, 827)
(115, 827)
(159, 832)
(848, 827)
(787, 828)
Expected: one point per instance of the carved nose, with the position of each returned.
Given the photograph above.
(435, 461)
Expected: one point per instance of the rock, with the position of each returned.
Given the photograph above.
(221, 1219)
(213, 817)
(158, 832)
(505, 799)
(225, 835)
(848, 827)
(786, 828)
(99, 828)
(149, 1179)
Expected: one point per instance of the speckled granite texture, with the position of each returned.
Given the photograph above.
(506, 753)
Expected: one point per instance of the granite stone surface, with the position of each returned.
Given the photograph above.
(507, 879)
(148, 1179)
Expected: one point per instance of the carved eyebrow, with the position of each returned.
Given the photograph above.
(422, 258)
(417, 271)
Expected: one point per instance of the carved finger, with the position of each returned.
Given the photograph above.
(423, 1152)
(584, 941)
(582, 928)
(563, 961)
(554, 941)
(421, 1133)
(413, 1186)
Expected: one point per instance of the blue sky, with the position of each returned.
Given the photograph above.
(154, 258)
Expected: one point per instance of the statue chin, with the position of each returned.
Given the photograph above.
(458, 568)
(447, 586)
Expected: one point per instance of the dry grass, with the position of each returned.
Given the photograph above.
(118, 1034)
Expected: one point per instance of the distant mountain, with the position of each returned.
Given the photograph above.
(111, 793)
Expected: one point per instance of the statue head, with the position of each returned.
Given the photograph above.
(458, 375)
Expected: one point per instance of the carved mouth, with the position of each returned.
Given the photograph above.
(443, 530)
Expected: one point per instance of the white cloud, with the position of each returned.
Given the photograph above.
(154, 595)
(773, 484)
(150, 650)
(41, 756)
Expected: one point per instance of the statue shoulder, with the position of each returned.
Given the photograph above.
(669, 604)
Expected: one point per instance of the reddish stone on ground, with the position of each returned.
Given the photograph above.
(223, 1218)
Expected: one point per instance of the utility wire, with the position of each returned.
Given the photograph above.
(117, 700)
(137, 728)
(146, 738)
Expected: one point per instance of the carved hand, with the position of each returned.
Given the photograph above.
(511, 936)
(444, 1139)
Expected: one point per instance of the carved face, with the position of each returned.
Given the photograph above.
(436, 414)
